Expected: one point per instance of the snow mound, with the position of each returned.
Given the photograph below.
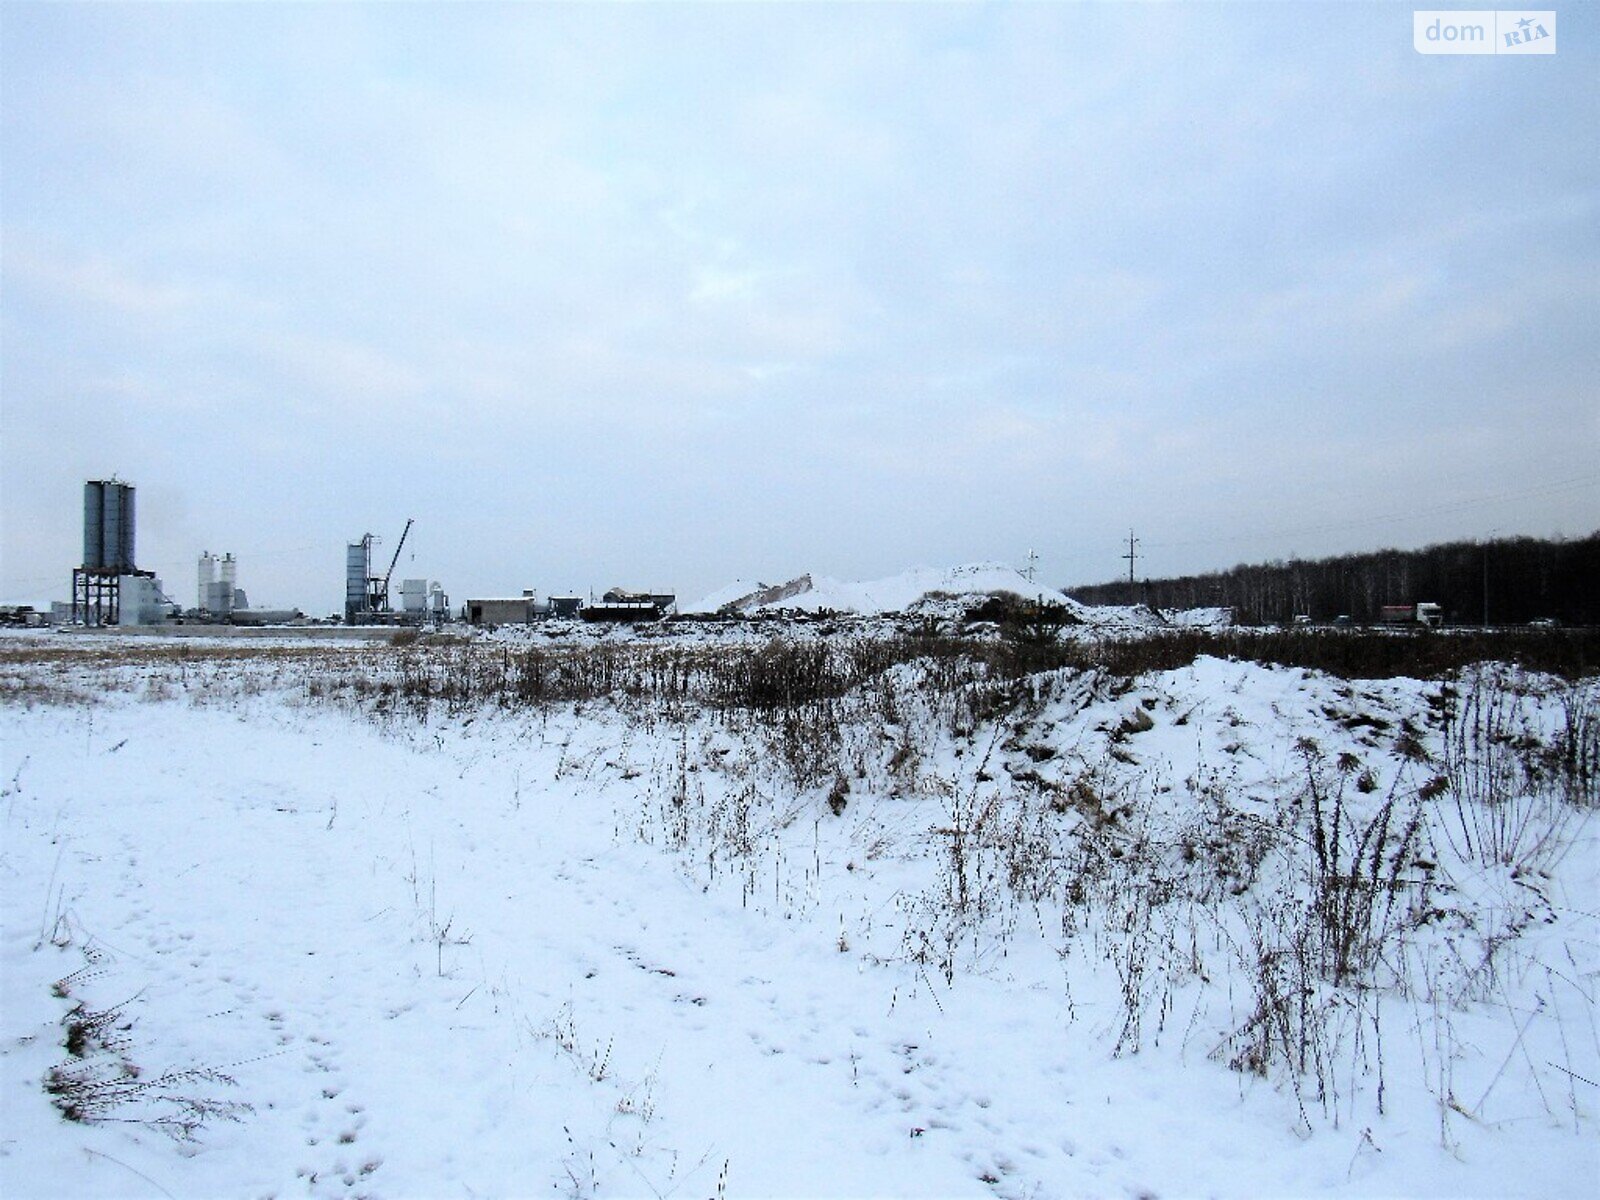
(898, 593)
(732, 594)
(1200, 618)
(1138, 617)
(947, 591)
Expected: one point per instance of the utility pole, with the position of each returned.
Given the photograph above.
(1487, 543)
(1131, 555)
(1032, 559)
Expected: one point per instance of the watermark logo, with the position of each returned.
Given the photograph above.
(1483, 31)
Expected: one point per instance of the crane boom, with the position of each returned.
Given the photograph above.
(399, 547)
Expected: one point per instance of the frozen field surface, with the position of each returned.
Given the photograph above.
(259, 944)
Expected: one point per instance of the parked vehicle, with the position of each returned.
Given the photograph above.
(1424, 613)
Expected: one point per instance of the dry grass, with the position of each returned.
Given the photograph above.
(1309, 908)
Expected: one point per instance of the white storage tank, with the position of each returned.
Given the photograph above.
(207, 576)
(413, 595)
(357, 567)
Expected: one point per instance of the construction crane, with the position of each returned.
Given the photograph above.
(410, 521)
(378, 589)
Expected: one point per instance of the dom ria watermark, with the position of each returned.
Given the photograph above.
(1483, 31)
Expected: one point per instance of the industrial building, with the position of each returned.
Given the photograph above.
(366, 594)
(617, 605)
(627, 606)
(508, 610)
(220, 598)
(110, 589)
(662, 600)
(142, 601)
(422, 601)
(624, 606)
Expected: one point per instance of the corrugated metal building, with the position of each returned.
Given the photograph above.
(141, 601)
(516, 610)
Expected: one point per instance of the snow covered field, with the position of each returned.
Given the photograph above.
(688, 919)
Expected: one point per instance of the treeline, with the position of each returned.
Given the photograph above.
(1520, 579)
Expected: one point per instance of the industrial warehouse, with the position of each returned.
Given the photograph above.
(109, 588)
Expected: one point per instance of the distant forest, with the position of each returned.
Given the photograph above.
(1523, 579)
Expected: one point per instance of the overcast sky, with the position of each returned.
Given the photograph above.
(666, 296)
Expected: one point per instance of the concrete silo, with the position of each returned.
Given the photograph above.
(207, 575)
(357, 569)
(108, 552)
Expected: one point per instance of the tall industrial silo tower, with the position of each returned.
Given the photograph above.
(108, 540)
(108, 526)
(357, 569)
(206, 576)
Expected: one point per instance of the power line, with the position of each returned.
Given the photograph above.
(1131, 555)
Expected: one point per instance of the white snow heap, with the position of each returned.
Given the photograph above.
(898, 593)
